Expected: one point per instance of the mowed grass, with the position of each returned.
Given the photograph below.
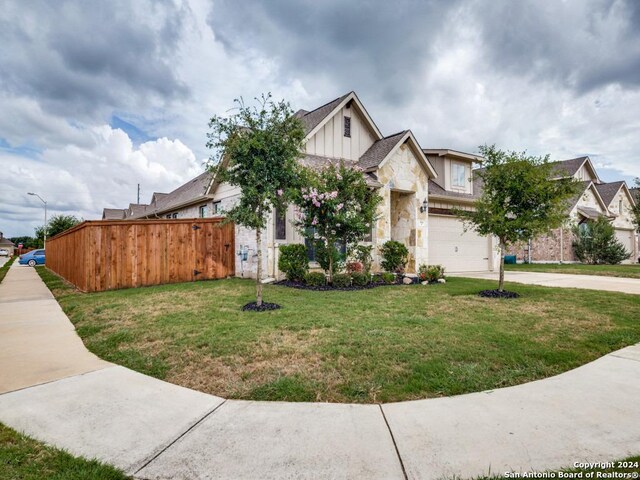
(380, 345)
(628, 271)
(26, 459)
(5, 268)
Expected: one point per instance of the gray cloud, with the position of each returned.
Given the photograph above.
(377, 47)
(80, 57)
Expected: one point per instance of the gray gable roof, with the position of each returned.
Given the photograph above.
(113, 214)
(569, 167)
(314, 117)
(317, 161)
(379, 150)
(608, 190)
(192, 191)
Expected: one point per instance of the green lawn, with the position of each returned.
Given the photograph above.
(5, 268)
(629, 271)
(26, 459)
(380, 345)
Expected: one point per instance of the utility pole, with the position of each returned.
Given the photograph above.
(138, 202)
(45, 216)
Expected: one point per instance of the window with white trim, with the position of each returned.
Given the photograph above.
(216, 208)
(458, 175)
(202, 211)
(281, 224)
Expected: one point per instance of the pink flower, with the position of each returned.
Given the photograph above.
(280, 192)
(339, 206)
(315, 221)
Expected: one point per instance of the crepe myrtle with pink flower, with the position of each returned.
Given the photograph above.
(337, 207)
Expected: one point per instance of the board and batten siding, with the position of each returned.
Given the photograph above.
(330, 141)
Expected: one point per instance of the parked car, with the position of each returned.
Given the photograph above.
(33, 258)
(4, 252)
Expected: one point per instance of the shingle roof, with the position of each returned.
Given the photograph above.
(137, 209)
(379, 150)
(635, 192)
(113, 214)
(7, 242)
(569, 167)
(191, 191)
(314, 117)
(590, 213)
(317, 161)
(435, 189)
(580, 191)
(608, 190)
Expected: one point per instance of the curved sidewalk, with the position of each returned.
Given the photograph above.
(53, 389)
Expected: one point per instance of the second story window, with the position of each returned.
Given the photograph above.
(458, 175)
(202, 211)
(347, 126)
(216, 208)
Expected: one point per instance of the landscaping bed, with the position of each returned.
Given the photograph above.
(365, 346)
(626, 271)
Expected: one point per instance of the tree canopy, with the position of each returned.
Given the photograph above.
(521, 198)
(257, 149)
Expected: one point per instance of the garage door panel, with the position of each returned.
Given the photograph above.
(626, 237)
(455, 249)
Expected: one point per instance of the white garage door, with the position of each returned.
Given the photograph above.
(455, 249)
(626, 237)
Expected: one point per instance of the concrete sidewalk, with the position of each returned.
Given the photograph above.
(156, 430)
(563, 280)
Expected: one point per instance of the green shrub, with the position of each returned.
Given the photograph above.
(315, 279)
(324, 252)
(394, 256)
(362, 254)
(596, 243)
(342, 280)
(360, 278)
(422, 272)
(435, 273)
(354, 267)
(293, 261)
(388, 278)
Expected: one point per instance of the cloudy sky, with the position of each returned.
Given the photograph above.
(96, 97)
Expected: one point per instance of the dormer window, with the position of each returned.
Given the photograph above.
(458, 175)
(347, 127)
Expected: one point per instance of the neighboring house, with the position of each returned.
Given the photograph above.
(340, 130)
(456, 186)
(595, 199)
(7, 244)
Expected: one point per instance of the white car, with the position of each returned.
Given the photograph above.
(4, 252)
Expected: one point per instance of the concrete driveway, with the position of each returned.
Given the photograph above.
(53, 389)
(3, 260)
(590, 282)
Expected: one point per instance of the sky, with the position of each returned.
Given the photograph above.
(97, 97)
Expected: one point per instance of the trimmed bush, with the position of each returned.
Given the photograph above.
(596, 243)
(360, 278)
(394, 256)
(323, 255)
(315, 279)
(354, 267)
(293, 261)
(362, 254)
(342, 280)
(388, 278)
(435, 273)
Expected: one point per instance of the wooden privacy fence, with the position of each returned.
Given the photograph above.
(105, 255)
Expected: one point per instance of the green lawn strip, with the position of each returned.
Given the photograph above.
(627, 467)
(26, 459)
(5, 268)
(386, 344)
(628, 271)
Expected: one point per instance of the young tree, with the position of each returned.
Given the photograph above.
(520, 199)
(257, 149)
(596, 243)
(337, 207)
(57, 224)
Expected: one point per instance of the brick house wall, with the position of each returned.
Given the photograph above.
(550, 248)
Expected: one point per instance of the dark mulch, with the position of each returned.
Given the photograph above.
(322, 288)
(265, 307)
(498, 294)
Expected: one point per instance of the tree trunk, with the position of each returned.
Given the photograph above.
(501, 280)
(259, 268)
(330, 265)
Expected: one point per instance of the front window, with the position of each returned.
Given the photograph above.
(216, 208)
(281, 224)
(458, 172)
(347, 126)
(175, 215)
(202, 211)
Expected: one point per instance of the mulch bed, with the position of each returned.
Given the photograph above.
(322, 288)
(265, 307)
(498, 294)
